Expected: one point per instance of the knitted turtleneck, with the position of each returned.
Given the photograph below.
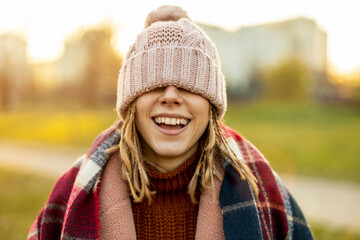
(171, 214)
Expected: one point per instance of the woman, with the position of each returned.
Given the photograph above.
(169, 169)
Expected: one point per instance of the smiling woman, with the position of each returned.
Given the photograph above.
(171, 121)
(169, 169)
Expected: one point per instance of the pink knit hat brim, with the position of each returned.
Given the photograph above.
(182, 67)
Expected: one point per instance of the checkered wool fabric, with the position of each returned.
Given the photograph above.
(71, 211)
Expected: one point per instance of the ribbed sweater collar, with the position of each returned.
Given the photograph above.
(176, 180)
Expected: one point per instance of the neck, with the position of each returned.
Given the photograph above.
(167, 163)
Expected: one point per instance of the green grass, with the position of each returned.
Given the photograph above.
(322, 233)
(321, 141)
(67, 126)
(296, 138)
(23, 195)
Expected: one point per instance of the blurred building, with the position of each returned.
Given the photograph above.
(252, 49)
(90, 67)
(15, 72)
(85, 73)
(46, 78)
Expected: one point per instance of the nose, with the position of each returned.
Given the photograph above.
(171, 96)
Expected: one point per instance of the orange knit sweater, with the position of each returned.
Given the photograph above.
(171, 215)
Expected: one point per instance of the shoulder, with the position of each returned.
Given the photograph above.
(104, 136)
(50, 218)
(82, 176)
(65, 183)
(274, 201)
(63, 186)
(246, 152)
(243, 148)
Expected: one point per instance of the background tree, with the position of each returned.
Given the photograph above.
(288, 80)
(89, 68)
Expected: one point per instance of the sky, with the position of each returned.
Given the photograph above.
(46, 23)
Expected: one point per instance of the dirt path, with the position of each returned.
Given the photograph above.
(46, 160)
(332, 203)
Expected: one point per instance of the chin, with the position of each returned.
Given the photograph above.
(170, 151)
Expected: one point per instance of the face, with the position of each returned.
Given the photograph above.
(171, 121)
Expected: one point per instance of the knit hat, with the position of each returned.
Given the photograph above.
(171, 51)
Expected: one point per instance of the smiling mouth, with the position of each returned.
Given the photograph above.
(171, 123)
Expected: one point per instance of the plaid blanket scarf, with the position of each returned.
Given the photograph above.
(71, 211)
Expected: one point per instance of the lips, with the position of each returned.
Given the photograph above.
(169, 121)
(171, 124)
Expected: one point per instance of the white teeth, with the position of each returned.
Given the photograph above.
(171, 121)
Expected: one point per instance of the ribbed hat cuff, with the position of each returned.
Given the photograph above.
(187, 68)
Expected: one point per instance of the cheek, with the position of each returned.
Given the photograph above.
(142, 104)
(202, 125)
(141, 115)
(202, 113)
(202, 108)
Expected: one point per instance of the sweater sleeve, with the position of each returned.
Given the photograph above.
(279, 213)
